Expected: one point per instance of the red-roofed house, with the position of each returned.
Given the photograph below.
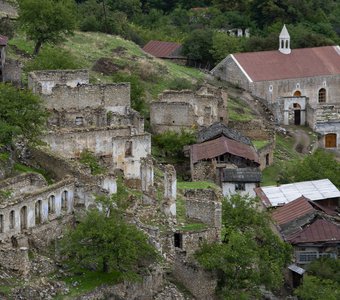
(166, 50)
(3, 44)
(300, 86)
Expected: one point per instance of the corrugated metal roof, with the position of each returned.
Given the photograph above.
(219, 146)
(3, 40)
(292, 211)
(319, 231)
(306, 62)
(296, 269)
(241, 175)
(313, 190)
(162, 49)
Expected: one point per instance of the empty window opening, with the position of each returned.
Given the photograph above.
(51, 205)
(128, 148)
(330, 140)
(23, 218)
(240, 186)
(38, 209)
(267, 159)
(64, 200)
(1, 223)
(322, 95)
(12, 219)
(79, 121)
(178, 240)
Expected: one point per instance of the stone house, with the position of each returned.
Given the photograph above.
(177, 110)
(227, 158)
(300, 86)
(98, 118)
(3, 44)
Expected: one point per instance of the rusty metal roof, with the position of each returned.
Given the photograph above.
(222, 145)
(292, 211)
(163, 49)
(3, 40)
(319, 231)
(305, 62)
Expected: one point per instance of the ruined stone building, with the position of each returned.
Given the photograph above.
(227, 158)
(177, 110)
(98, 118)
(300, 86)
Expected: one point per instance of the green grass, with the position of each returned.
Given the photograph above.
(180, 209)
(260, 144)
(25, 169)
(196, 185)
(238, 111)
(192, 227)
(88, 281)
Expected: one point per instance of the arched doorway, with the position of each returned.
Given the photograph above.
(64, 200)
(330, 140)
(297, 94)
(51, 204)
(23, 218)
(38, 208)
(297, 114)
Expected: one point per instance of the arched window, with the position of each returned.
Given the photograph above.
(23, 218)
(12, 219)
(38, 209)
(297, 94)
(51, 204)
(1, 223)
(64, 200)
(322, 95)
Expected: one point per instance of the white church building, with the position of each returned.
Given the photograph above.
(300, 86)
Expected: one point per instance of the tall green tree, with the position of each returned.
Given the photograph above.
(104, 240)
(46, 21)
(250, 254)
(21, 115)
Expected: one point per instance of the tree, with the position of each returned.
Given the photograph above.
(223, 45)
(46, 20)
(319, 165)
(250, 253)
(21, 115)
(105, 241)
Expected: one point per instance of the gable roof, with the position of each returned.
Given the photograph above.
(292, 211)
(274, 65)
(218, 129)
(241, 175)
(319, 231)
(285, 193)
(163, 49)
(219, 146)
(3, 40)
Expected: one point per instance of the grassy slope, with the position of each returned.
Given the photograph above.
(88, 47)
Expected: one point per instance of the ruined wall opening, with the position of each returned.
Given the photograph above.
(23, 218)
(12, 219)
(51, 204)
(267, 159)
(79, 121)
(38, 209)
(128, 148)
(1, 223)
(330, 140)
(178, 240)
(322, 95)
(64, 200)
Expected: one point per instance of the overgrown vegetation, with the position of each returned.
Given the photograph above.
(90, 160)
(238, 111)
(250, 254)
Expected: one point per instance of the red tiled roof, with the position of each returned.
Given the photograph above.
(222, 145)
(319, 231)
(3, 40)
(292, 211)
(305, 62)
(161, 49)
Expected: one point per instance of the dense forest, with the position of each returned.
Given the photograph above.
(202, 25)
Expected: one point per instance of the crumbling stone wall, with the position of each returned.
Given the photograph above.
(204, 170)
(44, 81)
(12, 71)
(204, 205)
(7, 10)
(254, 129)
(147, 174)
(200, 283)
(266, 154)
(15, 259)
(170, 190)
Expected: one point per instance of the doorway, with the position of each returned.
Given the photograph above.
(23, 218)
(297, 114)
(330, 140)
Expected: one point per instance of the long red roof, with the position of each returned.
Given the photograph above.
(319, 231)
(305, 62)
(222, 145)
(161, 49)
(3, 40)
